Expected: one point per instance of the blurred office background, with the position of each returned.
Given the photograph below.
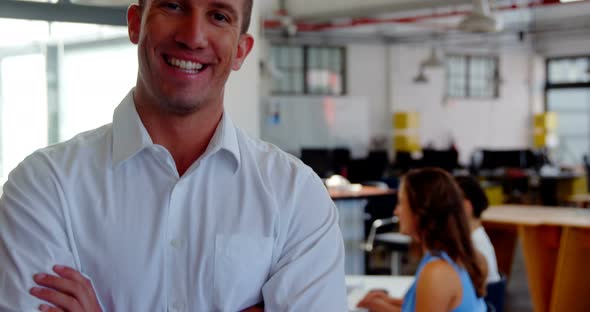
(365, 90)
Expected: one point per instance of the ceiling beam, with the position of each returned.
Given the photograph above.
(63, 12)
(367, 9)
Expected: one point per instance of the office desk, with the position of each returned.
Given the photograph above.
(580, 200)
(364, 192)
(550, 190)
(351, 207)
(358, 286)
(556, 247)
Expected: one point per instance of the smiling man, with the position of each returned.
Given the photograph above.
(171, 207)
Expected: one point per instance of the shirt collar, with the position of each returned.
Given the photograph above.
(225, 139)
(130, 136)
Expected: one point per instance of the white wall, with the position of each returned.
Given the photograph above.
(367, 77)
(556, 46)
(242, 90)
(473, 123)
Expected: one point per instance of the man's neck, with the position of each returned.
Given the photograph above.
(185, 137)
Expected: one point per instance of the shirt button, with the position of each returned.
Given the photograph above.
(176, 243)
(177, 306)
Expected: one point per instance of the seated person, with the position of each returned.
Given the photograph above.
(475, 203)
(450, 277)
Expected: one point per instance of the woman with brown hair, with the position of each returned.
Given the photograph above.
(450, 276)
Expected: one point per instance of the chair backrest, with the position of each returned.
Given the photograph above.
(496, 293)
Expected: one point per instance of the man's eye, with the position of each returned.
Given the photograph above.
(220, 17)
(172, 6)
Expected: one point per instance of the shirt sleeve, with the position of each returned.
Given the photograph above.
(309, 273)
(33, 235)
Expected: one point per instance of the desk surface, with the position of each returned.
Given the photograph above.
(365, 191)
(537, 215)
(580, 198)
(358, 286)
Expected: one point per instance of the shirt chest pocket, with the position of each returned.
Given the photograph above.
(242, 265)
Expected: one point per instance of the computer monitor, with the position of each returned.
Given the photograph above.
(444, 159)
(319, 159)
(494, 159)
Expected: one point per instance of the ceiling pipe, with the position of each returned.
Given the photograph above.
(372, 8)
(324, 26)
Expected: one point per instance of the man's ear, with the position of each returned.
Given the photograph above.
(245, 44)
(134, 22)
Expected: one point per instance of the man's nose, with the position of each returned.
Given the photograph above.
(192, 32)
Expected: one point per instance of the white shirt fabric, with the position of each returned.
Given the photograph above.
(484, 245)
(246, 223)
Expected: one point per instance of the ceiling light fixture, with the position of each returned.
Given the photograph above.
(433, 59)
(480, 20)
(421, 77)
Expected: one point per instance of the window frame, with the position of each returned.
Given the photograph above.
(562, 86)
(305, 50)
(567, 85)
(468, 78)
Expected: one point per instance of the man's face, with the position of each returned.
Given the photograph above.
(186, 50)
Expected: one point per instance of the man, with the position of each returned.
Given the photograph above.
(475, 203)
(171, 207)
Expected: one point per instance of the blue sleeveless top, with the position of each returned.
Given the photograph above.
(469, 303)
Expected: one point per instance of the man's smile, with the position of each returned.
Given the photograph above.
(187, 66)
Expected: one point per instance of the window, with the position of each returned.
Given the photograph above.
(101, 91)
(308, 70)
(472, 76)
(56, 80)
(24, 97)
(288, 60)
(568, 95)
(568, 70)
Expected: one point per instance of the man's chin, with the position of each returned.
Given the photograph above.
(182, 106)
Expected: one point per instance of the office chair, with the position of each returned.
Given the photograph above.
(587, 169)
(496, 293)
(396, 242)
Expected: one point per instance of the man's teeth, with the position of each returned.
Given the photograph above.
(185, 65)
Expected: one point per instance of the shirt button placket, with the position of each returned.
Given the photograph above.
(176, 245)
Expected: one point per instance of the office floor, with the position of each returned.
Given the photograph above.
(518, 298)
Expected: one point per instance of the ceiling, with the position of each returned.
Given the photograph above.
(419, 20)
(409, 20)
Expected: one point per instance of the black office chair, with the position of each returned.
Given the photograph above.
(587, 169)
(496, 293)
(340, 161)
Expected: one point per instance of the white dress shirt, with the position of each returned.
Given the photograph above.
(246, 223)
(482, 242)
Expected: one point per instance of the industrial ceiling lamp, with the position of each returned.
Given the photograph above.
(288, 25)
(433, 60)
(421, 77)
(480, 20)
